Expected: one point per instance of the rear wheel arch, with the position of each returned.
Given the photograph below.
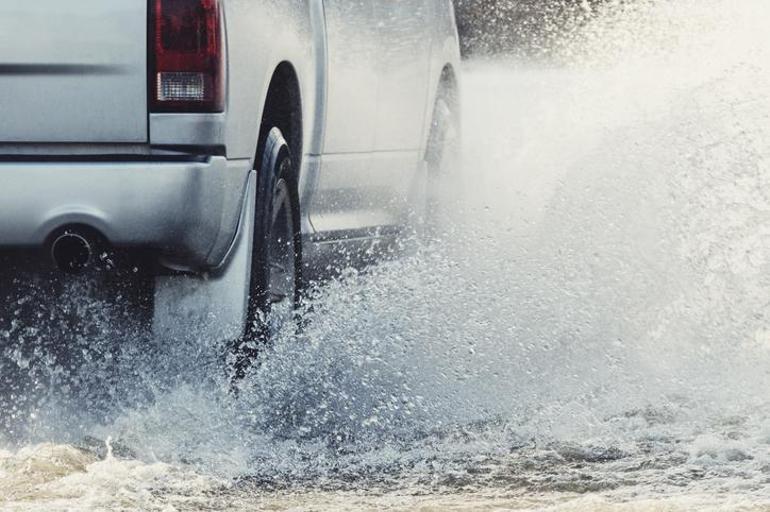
(283, 109)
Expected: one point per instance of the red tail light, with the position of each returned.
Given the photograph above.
(188, 74)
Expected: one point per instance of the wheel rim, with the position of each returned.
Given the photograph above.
(282, 279)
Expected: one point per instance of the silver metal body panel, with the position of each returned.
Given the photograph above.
(405, 43)
(385, 61)
(73, 71)
(187, 210)
(361, 192)
(353, 83)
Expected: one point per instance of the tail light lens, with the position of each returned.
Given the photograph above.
(188, 72)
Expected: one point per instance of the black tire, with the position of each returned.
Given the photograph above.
(275, 271)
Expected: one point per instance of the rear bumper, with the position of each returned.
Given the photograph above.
(187, 210)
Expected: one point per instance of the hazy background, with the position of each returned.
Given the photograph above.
(523, 28)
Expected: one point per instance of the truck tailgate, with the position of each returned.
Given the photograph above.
(73, 71)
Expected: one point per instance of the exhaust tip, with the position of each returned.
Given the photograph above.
(71, 252)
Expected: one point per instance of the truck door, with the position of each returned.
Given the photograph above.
(352, 84)
(341, 200)
(405, 39)
(405, 32)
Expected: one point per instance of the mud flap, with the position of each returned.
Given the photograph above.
(211, 308)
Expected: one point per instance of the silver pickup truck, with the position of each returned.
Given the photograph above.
(239, 141)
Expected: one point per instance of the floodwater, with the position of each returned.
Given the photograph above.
(591, 334)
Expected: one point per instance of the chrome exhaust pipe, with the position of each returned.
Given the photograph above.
(71, 252)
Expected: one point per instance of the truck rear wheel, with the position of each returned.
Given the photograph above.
(275, 272)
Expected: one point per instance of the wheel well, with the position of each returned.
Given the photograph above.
(283, 109)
